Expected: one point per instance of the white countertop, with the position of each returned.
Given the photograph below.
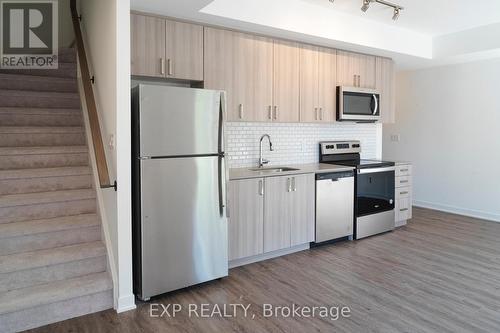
(246, 173)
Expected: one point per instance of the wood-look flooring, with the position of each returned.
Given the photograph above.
(440, 273)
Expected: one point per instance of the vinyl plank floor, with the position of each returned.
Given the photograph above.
(440, 273)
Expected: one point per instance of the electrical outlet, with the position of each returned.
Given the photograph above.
(395, 137)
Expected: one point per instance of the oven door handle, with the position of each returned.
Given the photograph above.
(375, 170)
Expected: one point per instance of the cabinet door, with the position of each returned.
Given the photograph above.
(366, 71)
(309, 84)
(347, 68)
(147, 45)
(286, 82)
(253, 77)
(327, 84)
(385, 84)
(302, 208)
(355, 70)
(219, 67)
(184, 50)
(246, 209)
(277, 202)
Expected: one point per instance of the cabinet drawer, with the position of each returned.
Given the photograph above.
(403, 170)
(403, 209)
(403, 181)
(403, 192)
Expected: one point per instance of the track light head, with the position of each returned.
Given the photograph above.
(397, 12)
(366, 5)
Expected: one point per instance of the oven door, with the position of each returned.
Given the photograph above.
(374, 190)
(358, 104)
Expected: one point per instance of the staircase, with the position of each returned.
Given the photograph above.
(53, 263)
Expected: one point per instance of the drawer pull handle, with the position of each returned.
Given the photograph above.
(405, 192)
(403, 181)
(403, 170)
(403, 210)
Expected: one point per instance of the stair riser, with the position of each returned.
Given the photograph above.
(38, 85)
(41, 139)
(41, 102)
(67, 55)
(64, 70)
(12, 119)
(33, 185)
(43, 161)
(58, 311)
(47, 211)
(47, 274)
(49, 240)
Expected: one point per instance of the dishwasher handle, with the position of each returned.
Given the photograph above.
(334, 176)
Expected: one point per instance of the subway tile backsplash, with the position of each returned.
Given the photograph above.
(295, 143)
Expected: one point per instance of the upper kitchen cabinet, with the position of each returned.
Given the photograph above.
(385, 84)
(309, 83)
(167, 49)
(147, 44)
(318, 80)
(242, 65)
(355, 70)
(184, 51)
(286, 82)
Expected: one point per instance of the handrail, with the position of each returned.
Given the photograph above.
(100, 156)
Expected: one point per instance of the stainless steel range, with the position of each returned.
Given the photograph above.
(374, 186)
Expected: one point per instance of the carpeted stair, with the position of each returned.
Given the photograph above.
(53, 262)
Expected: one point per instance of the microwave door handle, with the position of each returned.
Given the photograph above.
(375, 109)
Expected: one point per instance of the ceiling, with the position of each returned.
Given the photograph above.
(428, 32)
(430, 17)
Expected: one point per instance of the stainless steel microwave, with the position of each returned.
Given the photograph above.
(358, 104)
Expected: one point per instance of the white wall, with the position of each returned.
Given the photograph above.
(107, 36)
(295, 143)
(449, 122)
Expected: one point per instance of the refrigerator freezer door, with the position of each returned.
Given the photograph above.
(179, 121)
(184, 231)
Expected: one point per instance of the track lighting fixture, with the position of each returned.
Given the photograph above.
(366, 5)
(397, 11)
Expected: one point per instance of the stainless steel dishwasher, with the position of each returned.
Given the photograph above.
(334, 205)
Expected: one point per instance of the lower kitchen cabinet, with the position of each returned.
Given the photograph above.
(288, 211)
(403, 205)
(270, 214)
(277, 213)
(302, 209)
(246, 222)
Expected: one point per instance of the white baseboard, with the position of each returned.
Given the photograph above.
(126, 303)
(457, 210)
(269, 255)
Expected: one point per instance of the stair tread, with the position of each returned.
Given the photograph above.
(24, 228)
(44, 172)
(40, 129)
(42, 150)
(58, 255)
(25, 298)
(38, 111)
(45, 79)
(12, 200)
(39, 94)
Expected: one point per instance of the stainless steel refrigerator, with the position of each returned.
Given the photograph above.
(179, 188)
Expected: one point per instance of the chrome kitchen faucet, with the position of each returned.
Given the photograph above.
(263, 161)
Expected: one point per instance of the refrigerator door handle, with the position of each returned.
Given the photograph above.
(222, 111)
(222, 182)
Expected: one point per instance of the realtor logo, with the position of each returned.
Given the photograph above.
(29, 34)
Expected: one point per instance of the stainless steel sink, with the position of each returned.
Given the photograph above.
(275, 169)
